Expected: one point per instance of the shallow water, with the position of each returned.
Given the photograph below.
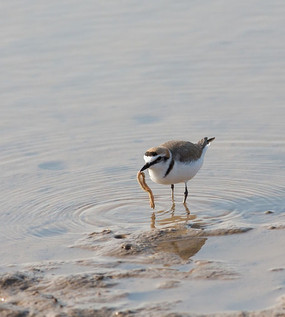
(87, 88)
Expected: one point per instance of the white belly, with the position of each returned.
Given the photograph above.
(180, 173)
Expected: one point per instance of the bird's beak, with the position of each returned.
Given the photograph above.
(147, 165)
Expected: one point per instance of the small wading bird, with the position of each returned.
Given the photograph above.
(175, 162)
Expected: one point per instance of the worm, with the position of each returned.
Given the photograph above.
(144, 186)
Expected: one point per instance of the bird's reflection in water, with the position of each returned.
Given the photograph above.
(168, 218)
(179, 241)
(184, 247)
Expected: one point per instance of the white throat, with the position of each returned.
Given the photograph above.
(158, 171)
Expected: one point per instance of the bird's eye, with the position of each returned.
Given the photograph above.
(159, 158)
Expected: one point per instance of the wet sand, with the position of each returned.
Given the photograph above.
(85, 89)
(153, 266)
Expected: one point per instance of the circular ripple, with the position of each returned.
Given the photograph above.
(66, 197)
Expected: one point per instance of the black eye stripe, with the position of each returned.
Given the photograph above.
(149, 153)
(155, 161)
(158, 160)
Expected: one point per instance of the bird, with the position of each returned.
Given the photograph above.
(175, 162)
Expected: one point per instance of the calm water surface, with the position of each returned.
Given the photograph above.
(87, 87)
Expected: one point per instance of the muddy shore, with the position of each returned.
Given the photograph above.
(42, 289)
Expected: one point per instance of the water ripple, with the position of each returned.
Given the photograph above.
(65, 197)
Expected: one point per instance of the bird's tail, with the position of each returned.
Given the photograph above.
(210, 140)
(205, 141)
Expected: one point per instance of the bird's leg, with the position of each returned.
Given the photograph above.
(185, 194)
(172, 192)
(184, 201)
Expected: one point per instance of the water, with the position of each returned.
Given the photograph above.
(87, 87)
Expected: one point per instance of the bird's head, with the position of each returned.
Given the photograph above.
(155, 157)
